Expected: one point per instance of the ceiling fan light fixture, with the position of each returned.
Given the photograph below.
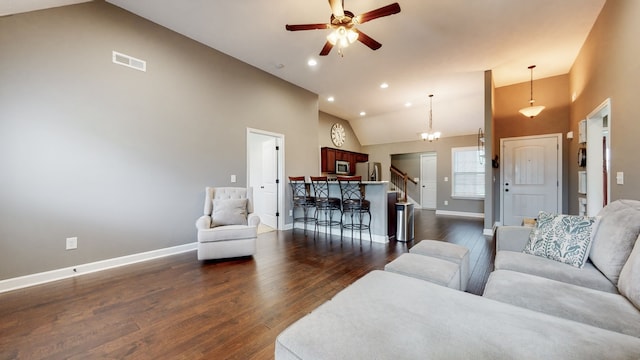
(342, 37)
(531, 111)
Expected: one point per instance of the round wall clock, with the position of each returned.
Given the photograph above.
(338, 135)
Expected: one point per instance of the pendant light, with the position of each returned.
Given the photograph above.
(430, 134)
(531, 111)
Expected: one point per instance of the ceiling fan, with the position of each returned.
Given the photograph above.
(343, 23)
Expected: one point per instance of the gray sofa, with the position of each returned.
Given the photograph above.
(604, 293)
(532, 308)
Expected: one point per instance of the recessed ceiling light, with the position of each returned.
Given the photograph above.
(312, 62)
(384, 86)
(362, 113)
(331, 99)
(408, 104)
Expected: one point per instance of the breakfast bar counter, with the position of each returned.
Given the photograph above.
(376, 193)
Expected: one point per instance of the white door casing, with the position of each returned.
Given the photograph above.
(531, 176)
(428, 181)
(265, 156)
(598, 158)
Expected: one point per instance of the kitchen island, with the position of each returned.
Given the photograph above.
(377, 193)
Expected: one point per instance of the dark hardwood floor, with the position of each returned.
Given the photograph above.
(180, 308)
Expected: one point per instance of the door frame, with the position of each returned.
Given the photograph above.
(595, 131)
(560, 157)
(280, 171)
(422, 156)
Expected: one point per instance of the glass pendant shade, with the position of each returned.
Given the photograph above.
(531, 111)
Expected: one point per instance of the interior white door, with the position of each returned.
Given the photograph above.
(265, 167)
(531, 177)
(428, 181)
(268, 188)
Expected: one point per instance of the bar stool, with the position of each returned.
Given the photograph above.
(325, 205)
(302, 199)
(354, 205)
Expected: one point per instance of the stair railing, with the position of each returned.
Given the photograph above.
(400, 179)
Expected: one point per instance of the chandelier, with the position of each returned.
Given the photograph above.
(531, 111)
(430, 134)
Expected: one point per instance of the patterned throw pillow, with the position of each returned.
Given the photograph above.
(563, 238)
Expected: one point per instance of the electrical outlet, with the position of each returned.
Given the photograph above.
(446, 202)
(233, 178)
(290, 212)
(72, 243)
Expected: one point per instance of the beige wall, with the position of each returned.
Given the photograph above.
(115, 156)
(325, 122)
(552, 92)
(608, 67)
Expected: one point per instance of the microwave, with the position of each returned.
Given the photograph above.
(342, 167)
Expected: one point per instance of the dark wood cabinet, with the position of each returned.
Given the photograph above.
(329, 156)
(328, 160)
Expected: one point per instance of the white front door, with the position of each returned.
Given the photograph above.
(428, 181)
(531, 177)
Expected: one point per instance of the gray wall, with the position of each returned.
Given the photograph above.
(410, 164)
(383, 154)
(115, 156)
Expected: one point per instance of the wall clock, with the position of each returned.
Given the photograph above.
(338, 135)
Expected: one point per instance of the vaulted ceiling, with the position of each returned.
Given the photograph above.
(439, 47)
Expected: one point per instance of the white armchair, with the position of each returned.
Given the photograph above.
(228, 227)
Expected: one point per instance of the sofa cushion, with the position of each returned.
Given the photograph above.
(563, 238)
(437, 271)
(385, 315)
(229, 212)
(227, 233)
(629, 282)
(588, 276)
(604, 310)
(617, 232)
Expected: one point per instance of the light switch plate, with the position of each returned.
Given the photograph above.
(620, 178)
(233, 178)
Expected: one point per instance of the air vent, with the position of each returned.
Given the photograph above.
(129, 61)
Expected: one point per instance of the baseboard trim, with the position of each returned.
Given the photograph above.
(460, 213)
(73, 271)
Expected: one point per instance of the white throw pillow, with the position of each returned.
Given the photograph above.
(229, 212)
(563, 238)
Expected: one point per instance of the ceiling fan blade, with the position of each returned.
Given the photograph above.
(337, 9)
(326, 49)
(365, 39)
(307, 27)
(374, 14)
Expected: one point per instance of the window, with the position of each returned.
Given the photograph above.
(467, 180)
